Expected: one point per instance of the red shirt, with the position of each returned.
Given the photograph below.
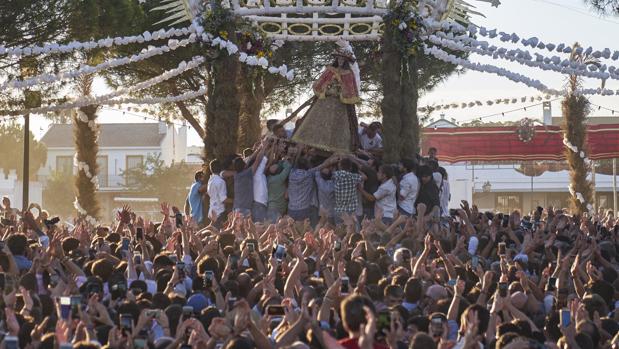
(351, 343)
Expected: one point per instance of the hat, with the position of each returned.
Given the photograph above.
(198, 301)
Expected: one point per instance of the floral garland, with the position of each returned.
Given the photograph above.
(516, 77)
(555, 63)
(526, 130)
(409, 24)
(581, 198)
(478, 103)
(147, 36)
(82, 212)
(146, 53)
(90, 100)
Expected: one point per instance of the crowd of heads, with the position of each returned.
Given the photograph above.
(289, 247)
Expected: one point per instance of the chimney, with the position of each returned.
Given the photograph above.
(547, 107)
(163, 127)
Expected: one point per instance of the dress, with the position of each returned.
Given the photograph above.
(331, 122)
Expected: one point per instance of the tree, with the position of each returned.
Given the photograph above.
(12, 145)
(57, 196)
(607, 7)
(154, 178)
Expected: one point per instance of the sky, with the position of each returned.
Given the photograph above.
(552, 21)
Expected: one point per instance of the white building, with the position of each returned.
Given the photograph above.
(121, 147)
(11, 187)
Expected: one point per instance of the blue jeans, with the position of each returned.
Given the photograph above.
(259, 212)
(273, 215)
(387, 221)
(299, 215)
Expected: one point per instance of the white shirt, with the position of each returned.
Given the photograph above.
(368, 143)
(409, 188)
(385, 198)
(217, 192)
(444, 196)
(261, 193)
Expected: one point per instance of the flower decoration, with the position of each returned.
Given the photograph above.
(526, 130)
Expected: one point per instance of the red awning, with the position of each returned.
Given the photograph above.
(502, 143)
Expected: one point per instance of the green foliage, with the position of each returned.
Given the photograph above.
(58, 196)
(12, 145)
(153, 178)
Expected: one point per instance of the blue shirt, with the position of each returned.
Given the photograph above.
(22, 262)
(195, 202)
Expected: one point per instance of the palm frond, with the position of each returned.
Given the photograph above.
(179, 11)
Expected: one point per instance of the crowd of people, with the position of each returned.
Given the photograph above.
(289, 247)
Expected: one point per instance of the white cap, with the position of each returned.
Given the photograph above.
(473, 243)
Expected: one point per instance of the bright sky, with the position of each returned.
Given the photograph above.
(552, 21)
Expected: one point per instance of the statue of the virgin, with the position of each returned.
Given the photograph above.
(331, 122)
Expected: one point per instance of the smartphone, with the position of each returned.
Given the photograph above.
(76, 301)
(139, 233)
(275, 310)
(137, 259)
(65, 307)
(338, 246)
(66, 346)
(383, 322)
(180, 266)
(503, 288)
(231, 302)
(11, 342)
(208, 278)
(251, 247)
(126, 322)
(279, 252)
(565, 318)
(125, 244)
(345, 289)
(551, 286)
(474, 262)
(437, 326)
(154, 313)
(179, 220)
(139, 343)
(502, 249)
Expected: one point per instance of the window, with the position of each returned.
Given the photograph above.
(558, 200)
(64, 164)
(102, 164)
(134, 161)
(507, 202)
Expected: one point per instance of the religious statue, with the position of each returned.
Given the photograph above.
(330, 124)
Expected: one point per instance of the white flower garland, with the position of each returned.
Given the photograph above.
(487, 68)
(82, 212)
(101, 43)
(81, 116)
(90, 100)
(516, 77)
(158, 100)
(555, 63)
(478, 103)
(533, 42)
(583, 156)
(146, 53)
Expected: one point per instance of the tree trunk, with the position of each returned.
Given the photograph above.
(409, 135)
(251, 93)
(85, 134)
(391, 105)
(575, 109)
(222, 109)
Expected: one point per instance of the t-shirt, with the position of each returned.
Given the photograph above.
(346, 191)
(277, 188)
(370, 185)
(244, 189)
(428, 195)
(300, 188)
(385, 198)
(260, 183)
(217, 193)
(409, 187)
(326, 193)
(368, 143)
